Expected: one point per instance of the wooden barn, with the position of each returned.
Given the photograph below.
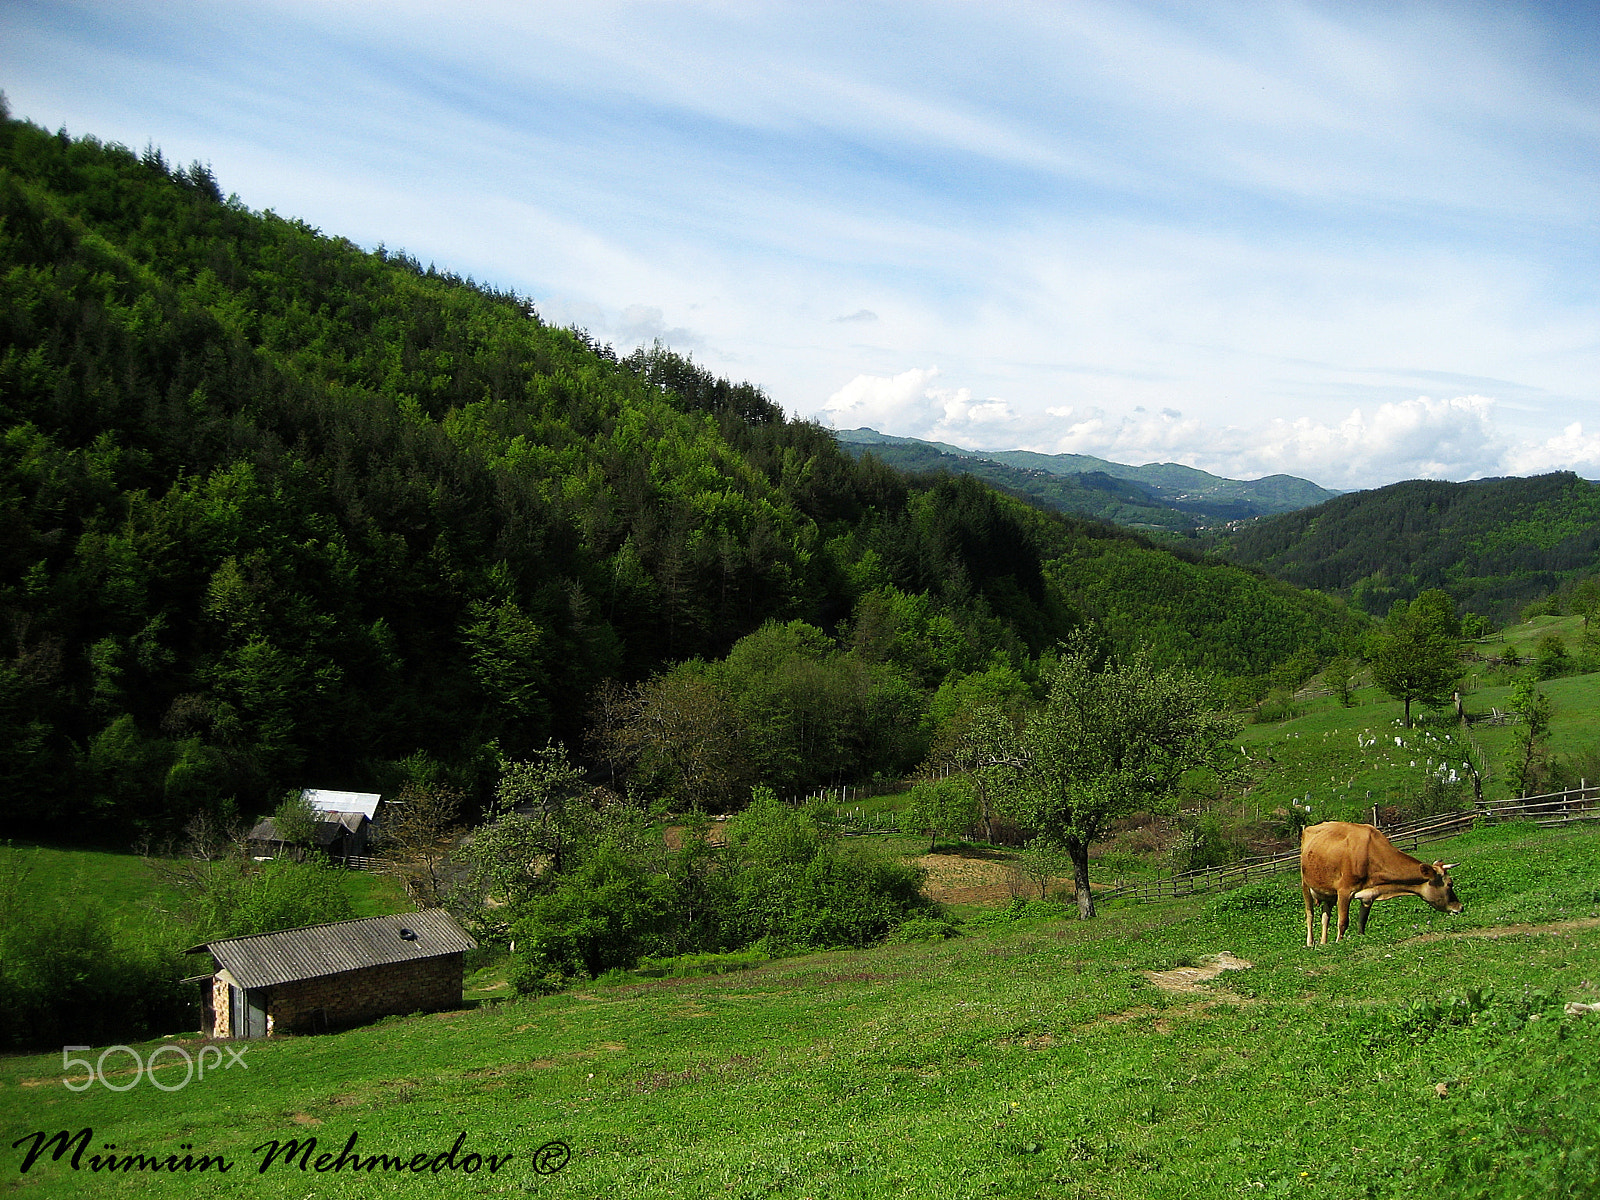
(321, 977)
(344, 825)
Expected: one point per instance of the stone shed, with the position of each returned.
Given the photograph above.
(324, 976)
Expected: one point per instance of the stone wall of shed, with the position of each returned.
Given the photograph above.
(423, 985)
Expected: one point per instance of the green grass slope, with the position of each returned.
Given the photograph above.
(1432, 1054)
(1344, 760)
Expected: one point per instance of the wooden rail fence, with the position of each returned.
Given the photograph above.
(1570, 807)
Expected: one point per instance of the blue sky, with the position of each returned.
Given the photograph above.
(1357, 242)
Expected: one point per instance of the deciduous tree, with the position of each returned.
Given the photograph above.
(1113, 738)
(948, 806)
(421, 832)
(1532, 708)
(295, 821)
(1414, 657)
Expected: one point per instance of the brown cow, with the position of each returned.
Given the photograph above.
(1340, 861)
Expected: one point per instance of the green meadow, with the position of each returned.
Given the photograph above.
(1032, 1056)
(1347, 759)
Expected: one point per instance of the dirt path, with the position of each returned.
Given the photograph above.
(1499, 931)
(1188, 980)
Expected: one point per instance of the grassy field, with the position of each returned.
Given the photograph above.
(124, 883)
(1035, 1057)
(1347, 759)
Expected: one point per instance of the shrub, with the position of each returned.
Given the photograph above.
(1120, 862)
(233, 898)
(529, 976)
(789, 880)
(924, 929)
(607, 911)
(1550, 658)
(1204, 841)
(1278, 706)
(1439, 795)
(1289, 822)
(70, 973)
(1268, 896)
(784, 882)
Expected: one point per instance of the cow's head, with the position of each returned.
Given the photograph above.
(1436, 888)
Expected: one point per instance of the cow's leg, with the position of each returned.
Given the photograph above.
(1327, 907)
(1344, 915)
(1305, 893)
(1366, 908)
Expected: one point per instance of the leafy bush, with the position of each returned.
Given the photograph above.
(1437, 796)
(789, 880)
(1117, 863)
(607, 911)
(1268, 896)
(684, 966)
(784, 882)
(1289, 822)
(71, 973)
(1278, 706)
(1550, 658)
(529, 976)
(232, 898)
(924, 929)
(1205, 841)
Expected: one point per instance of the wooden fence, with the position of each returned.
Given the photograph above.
(1570, 807)
(364, 862)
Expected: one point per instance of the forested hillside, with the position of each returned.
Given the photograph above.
(1165, 496)
(1492, 544)
(278, 512)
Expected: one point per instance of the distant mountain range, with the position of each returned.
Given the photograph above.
(1166, 496)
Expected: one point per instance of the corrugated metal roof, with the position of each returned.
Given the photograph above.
(312, 951)
(365, 803)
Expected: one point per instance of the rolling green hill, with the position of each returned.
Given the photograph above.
(277, 512)
(1166, 496)
(1492, 544)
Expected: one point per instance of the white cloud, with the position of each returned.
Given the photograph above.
(1569, 450)
(1454, 438)
(1422, 438)
(908, 405)
(889, 405)
(641, 323)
